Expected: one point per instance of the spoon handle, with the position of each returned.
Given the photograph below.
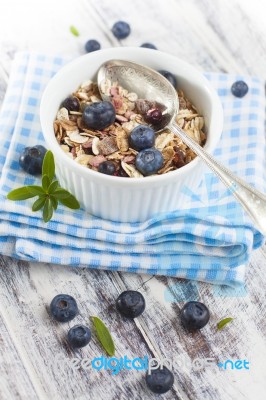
(253, 201)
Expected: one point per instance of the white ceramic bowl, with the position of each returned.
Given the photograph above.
(129, 199)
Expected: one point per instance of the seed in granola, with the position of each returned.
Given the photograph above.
(99, 115)
(149, 161)
(107, 167)
(71, 103)
(141, 137)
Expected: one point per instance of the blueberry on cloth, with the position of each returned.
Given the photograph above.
(130, 303)
(31, 159)
(149, 161)
(168, 75)
(160, 380)
(92, 45)
(107, 167)
(149, 46)
(71, 103)
(121, 29)
(239, 89)
(79, 336)
(141, 137)
(99, 115)
(194, 315)
(63, 308)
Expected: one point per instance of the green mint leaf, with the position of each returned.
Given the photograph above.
(70, 202)
(61, 193)
(21, 193)
(36, 190)
(104, 336)
(54, 202)
(224, 322)
(74, 30)
(53, 186)
(45, 182)
(47, 210)
(39, 203)
(48, 165)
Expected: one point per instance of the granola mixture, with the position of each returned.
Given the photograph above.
(90, 148)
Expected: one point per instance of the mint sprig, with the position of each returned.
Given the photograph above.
(49, 194)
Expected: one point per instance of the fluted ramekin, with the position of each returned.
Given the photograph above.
(129, 199)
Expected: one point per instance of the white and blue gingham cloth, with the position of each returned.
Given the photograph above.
(210, 240)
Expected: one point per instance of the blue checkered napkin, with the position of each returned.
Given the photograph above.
(210, 240)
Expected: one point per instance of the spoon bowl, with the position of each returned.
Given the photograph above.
(150, 85)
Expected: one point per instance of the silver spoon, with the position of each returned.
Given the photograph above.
(152, 86)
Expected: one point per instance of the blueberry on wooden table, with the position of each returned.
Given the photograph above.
(92, 45)
(160, 380)
(121, 29)
(71, 103)
(79, 336)
(168, 75)
(63, 308)
(149, 46)
(31, 159)
(194, 315)
(239, 89)
(149, 161)
(141, 137)
(99, 115)
(107, 167)
(130, 303)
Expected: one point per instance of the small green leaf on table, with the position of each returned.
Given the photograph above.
(104, 336)
(224, 322)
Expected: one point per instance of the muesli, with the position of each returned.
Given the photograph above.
(109, 149)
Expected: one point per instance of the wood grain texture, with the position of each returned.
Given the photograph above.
(34, 353)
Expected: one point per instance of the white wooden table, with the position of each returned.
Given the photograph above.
(214, 35)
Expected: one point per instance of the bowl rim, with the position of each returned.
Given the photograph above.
(217, 115)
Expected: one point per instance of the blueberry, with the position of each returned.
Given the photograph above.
(31, 159)
(71, 103)
(130, 304)
(121, 29)
(194, 315)
(239, 89)
(92, 45)
(107, 167)
(99, 115)
(141, 137)
(149, 46)
(168, 75)
(63, 308)
(79, 336)
(160, 380)
(149, 161)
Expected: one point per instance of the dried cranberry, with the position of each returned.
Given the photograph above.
(154, 116)
(179, 158)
